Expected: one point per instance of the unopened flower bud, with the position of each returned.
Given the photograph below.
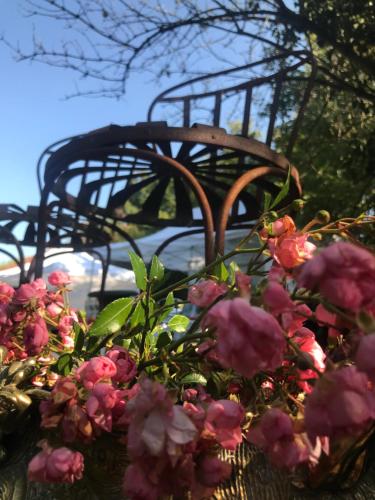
(316, 236)
(298, 204)
(323, 216)
(273, 215)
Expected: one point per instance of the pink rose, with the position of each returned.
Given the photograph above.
(243, 284)
(137, 484)
(125, 364)
(76, 424)
(249, 339)
(27, 294)
(344, 274)
(206, 292)
(305, 339)
(223, 422)
(65, 326)
(35, 336)
(365, 356)
(100, 403)
(59, 279)
(276, 298)
(275, 436)
(6, 293)
(340, 404)
(157, 427)
(292, 250)
(212, 471)
(61, 465)
(98, 369)
(64, 390)
(190, 395)
(283, 225)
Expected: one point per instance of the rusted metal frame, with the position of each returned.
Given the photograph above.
(217, 109)
(47, 153)
(175, 237)
(186, 112)
(197, 134)
(247, 109)
(8, 238)
(184, 172)
(304, 56)
(232, 195)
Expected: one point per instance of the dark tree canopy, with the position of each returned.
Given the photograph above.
(106, 40)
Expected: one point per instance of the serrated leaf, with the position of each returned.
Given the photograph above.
(139, 269)
(157, 270)
(163, 339)
(179, 323)
(112, 317)
(283, 192)
(169, 301)
(194, 378)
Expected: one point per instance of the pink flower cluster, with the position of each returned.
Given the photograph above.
(249, 339)
(82, 415)
(342, 403)
(32, 315)
(102, 407)
(172, 447)
(288, 247)
(344, 274)
(276, 437)
(206, 292)
(59, 465)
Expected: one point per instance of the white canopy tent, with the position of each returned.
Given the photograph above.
(185, 254)
(85, 272)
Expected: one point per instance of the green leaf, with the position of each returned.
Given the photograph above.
(221, 272)
(79, 338)
(112, 317)
(65, 364)
(157, 270)
(138, 316)
(178, 323)
(233, 269)
(194, 378)
(169, 301)
(139, 269)
(164, 339)
(283, 192)
(267, 200)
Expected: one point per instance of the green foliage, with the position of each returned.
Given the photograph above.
(112, 317)
(179, 323)
(139, 269)
(157, 270)
(194, 378)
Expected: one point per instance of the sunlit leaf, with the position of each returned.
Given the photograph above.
(112, 317)
(139, 269)
(179, 323)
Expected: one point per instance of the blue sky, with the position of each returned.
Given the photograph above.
(34, 112)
